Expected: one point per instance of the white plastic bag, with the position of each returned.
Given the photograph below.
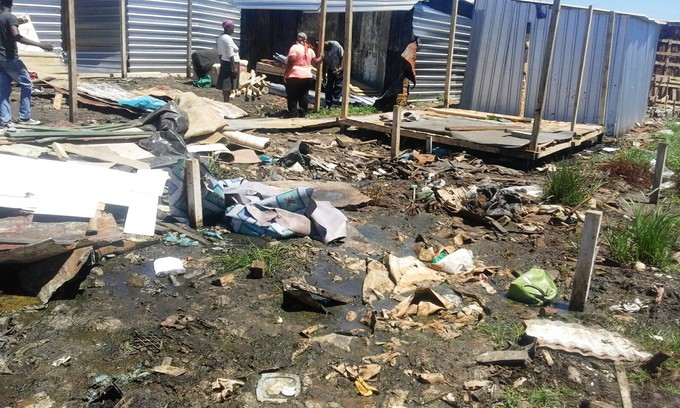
(458, 262)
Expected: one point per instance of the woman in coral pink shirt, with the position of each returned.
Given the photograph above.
(298, 75)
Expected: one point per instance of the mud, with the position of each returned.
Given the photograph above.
(107, 327)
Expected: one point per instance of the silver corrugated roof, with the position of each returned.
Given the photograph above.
(334, 6)
(494, 74)
(432, 29)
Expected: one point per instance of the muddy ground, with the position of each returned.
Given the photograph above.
(114, 332)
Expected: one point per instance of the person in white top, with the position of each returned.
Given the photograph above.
(227, 80)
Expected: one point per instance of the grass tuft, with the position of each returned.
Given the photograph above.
(570, 185)
(235, 259)
(501, 331)
(354, 110)
(649, 237)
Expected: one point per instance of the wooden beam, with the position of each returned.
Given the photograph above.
(586, 258)
(582, 70)
(72, 66)
(658, 172)
(193, 190)
(545, 72)
(449, 57)
(396, 131)
(606, 64)
(123, 39)
(525, 72)
(190, 14)
(322, 40)
(347, 59)
(624, 386)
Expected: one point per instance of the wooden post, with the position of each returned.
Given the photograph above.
(72, 66)
(449, 57)
(545, 72)
(190, 38)
(347, 59)
(193, 189)
(525, 73)
(658, 172)
(396, 131)
(606, 64)
(123, 39)
(582, 68)
(586, 258)
(428, 145)
(322, 39)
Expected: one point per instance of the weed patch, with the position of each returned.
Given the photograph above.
(570, 185)
(502, 332)
(649, 237)
(539, 397)
(238, 259)
(354, 110)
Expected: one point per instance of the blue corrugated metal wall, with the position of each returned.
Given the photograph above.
(494, 74)
(46, 18)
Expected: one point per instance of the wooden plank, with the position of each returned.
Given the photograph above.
(449, 55)
(104, 154)
(347, 59)
(477, 115)
(658, 172)
(606, 64)
(586, 258)
(60, 152)
(624, 386)
(581, 70)
(322, 40)
(72, 66)
(545, 72)
(193, 190)
(93, 224)
(57, 101)
(396, 131)
(190, 13)
(525, 72)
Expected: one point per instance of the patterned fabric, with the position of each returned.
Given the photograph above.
(259, 210)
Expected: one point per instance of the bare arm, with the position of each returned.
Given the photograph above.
(14, 32)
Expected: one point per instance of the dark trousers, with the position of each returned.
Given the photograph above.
(333, 89)
(297, 92)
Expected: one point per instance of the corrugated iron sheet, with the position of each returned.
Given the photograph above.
(98, 35)
(432, 29)
(46, 18)
(207, 20)
(494, 73)
(157, 31)
(157, 39)
(334, 6)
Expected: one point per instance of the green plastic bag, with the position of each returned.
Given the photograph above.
(534, 287)
(203, 82)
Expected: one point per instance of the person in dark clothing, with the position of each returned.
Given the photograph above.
(12, 68)
(333, 54)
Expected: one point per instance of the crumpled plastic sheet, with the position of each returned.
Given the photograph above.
(259, 210)
(170, 124)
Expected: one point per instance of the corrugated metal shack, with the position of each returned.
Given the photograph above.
(153, 34)
(496, 57)
(381, 31)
